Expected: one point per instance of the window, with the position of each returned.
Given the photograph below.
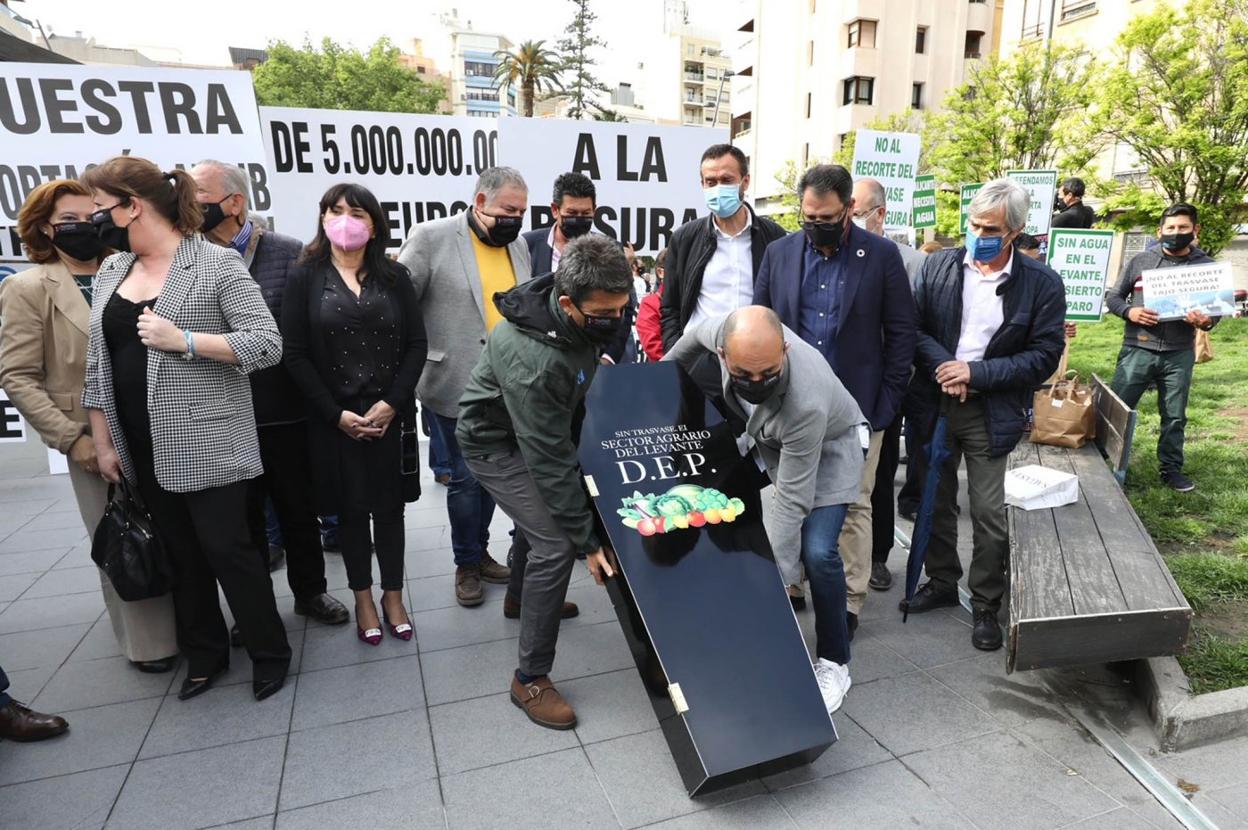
(1035, 16)
(481, 95)
(840, 141)
(862, 34)
(973, 42)
(859, 90)
(916, 97)
(479, 69)
(920, 40)
(808, 105)
(420, 70)
(1072, 9)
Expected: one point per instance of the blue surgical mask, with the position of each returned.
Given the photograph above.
(723, 200)
(983, 248)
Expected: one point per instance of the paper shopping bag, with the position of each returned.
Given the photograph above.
(1065, 415)
(1204, 349)
(1035, 488)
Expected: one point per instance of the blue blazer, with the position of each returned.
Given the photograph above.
(878, 328)
(539, 250)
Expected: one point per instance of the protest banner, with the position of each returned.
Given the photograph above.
(1172, 292)
(420, 167)
(967, 193)
(58, 120)
(924, 202)
(12, 425)
(1041, 185)
(1082, 257)
(892, 159)
(647, 176)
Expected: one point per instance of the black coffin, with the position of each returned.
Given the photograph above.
(700, 599)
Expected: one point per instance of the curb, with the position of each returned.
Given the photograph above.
(1183, 720)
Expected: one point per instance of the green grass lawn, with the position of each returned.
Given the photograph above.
(1203, 534)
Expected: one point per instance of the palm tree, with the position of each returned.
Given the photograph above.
(530, 67)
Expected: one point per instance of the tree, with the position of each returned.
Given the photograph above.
(582, 84)
(337, 77)
(532, 68)
(1176, 97)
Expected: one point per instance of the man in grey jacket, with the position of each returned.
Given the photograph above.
(807, 431)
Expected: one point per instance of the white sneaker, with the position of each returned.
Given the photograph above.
(834, 683)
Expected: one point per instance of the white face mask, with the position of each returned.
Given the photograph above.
(861, 221)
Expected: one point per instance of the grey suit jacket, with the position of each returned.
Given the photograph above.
(448, 287)
(806, 433)
(913, 260)
(203, 429)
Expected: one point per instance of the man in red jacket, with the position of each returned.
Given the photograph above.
(649, 327)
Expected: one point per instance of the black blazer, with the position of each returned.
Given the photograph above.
(539, 250)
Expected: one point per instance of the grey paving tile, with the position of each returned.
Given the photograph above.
(477, 733)
(12, 586)
(871, 660)
(854, 749)
(240, 664)
(72, 802)
(914, 712)
(56, 583)
(100, 641)
(99, 682)
(78, 556)
(326, 647)
(1221, 817)
(222, 715)
(354, 692)
(563, 791)
(982, 774)
(260, 823)
(25, 685)
(99, 737)
(222, 784)
(747, 814)
(30, 614)
(434, 592)
(26, 540)
(347, 759)
(884, 795)
(415, 806)
(1234, 799)
(23, 504)
(1211, 767)
(1118, 819)
(643, 785)
(40, 647)
(35, 561)
(1012, 700)
(455, 626)
(610, 705)
(56, 520)
(928, 639)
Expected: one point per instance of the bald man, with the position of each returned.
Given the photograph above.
(870, 206)
(809, 434)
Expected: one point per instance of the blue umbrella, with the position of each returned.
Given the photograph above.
(937, 454)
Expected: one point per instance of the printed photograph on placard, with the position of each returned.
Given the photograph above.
(682, 507)
(1173, 292)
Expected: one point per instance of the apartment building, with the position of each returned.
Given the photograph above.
(473, 64)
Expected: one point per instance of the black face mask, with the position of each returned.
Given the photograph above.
(601, 330)
(78, 240)
(106, 229)
(755, 391)
(1177, 241)
(825, 234)
(574, 226)
(504, 232)
(213, 215)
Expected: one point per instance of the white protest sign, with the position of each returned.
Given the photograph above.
(56, 120)
(12, 425)
(1081, 257)
(893, 160)
(1172, 292)
(420, 167)
(1041, 186)
(647, 176)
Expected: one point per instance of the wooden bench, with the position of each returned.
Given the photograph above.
(1115, 428)
(1087, 584)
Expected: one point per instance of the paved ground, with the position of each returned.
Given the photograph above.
(422, 734)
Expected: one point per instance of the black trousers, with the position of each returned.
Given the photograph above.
(882, 516)
(287, 480)
(370, 486)
(205, 534)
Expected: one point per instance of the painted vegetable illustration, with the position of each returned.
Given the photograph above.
(683, 506)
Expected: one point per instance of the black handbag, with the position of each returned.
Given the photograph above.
(128, 549)
(409, 448)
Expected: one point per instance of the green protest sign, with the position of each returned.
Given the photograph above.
(968, 193)
(924, 202)
(1082, 259)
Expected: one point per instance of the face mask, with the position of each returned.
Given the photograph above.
(1177, 241)
(723, 200)
(504, 232)
(77, 239)
(213, 215)
(347, 232)
(599, 329)
(755, 391)
(107, 232)
(824, 234)
(861, 221)
(574, 226)
(983, 248)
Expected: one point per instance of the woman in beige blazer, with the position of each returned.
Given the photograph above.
(43, 355)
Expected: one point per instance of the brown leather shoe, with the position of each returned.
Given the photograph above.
(468, 591)
(17, 723)
(493, 572)
(511, 609)
(542, 703)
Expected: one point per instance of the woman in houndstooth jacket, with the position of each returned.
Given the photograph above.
(176, 324)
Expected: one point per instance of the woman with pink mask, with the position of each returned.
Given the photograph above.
(355, 345)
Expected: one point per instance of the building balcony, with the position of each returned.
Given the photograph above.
(694, 77)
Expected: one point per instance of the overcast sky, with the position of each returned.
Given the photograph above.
(202, 32)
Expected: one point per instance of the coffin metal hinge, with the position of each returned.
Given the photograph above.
(593, 488)
(678, 698)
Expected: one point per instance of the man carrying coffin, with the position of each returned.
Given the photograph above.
(807, 431)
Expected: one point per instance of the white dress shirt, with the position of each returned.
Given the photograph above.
(983, 312)
(728, 281)
(555, 253)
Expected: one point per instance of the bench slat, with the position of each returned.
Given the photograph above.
(1038, 582)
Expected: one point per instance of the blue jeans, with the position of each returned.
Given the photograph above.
(826, 574)
(468, 505)
(439, 456)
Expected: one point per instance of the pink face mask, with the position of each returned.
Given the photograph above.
(347, 232)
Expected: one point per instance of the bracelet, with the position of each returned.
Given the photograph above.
(190, 344)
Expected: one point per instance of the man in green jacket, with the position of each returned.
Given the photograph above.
(519, 420)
